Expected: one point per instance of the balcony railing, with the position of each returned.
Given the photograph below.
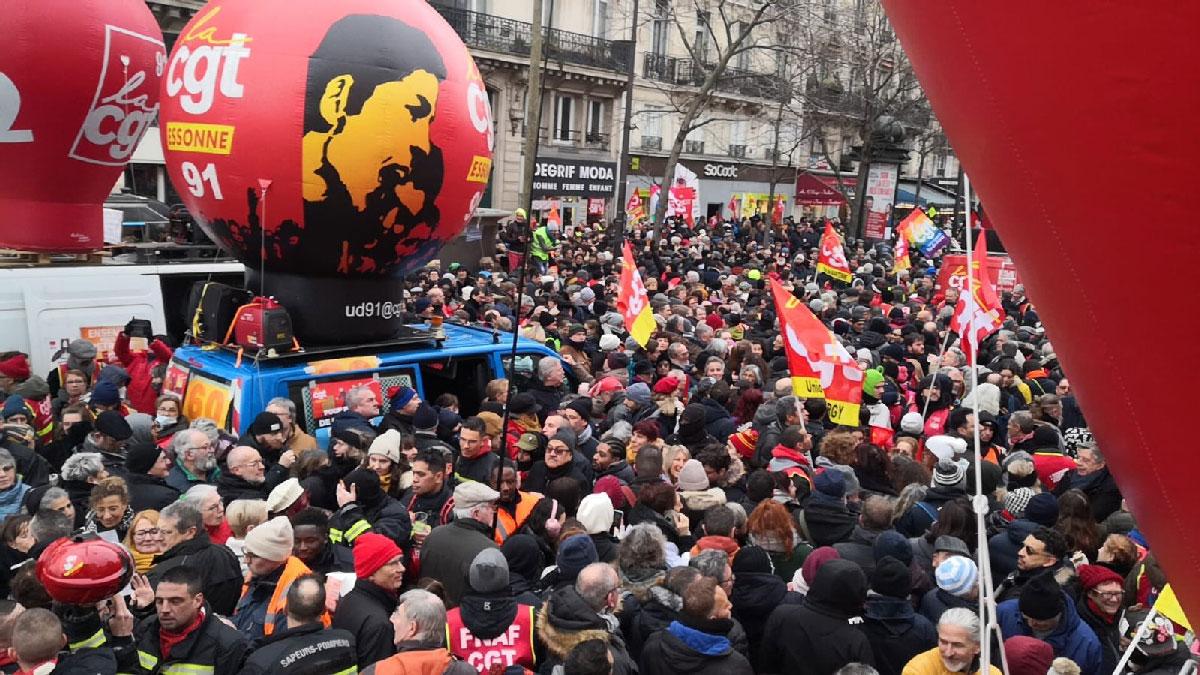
(509, 36)
(574, 138)
(651, 142)
(689, 72)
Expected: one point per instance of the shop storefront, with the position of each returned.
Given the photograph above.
(818, 197)
(580, 189)
(745, 185)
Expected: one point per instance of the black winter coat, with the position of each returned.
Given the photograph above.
(936, 601)
(754, 596)
(717, 420)
(232, 487)
(149, 492)
(387, 517)
(1104, 497)
(365, 612)
(303, 650)
(683, 649)
(859, 549)
(540, 476)
(213, 644)
(827, 522)
(219, 568)
(896, 633)
(820, 636)
(920, 516)
(448, 552)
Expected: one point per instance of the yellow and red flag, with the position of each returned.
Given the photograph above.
(634, 210)
(820, 366)
(832, 259)
(978, 313)
(900, 259)
(633, 302)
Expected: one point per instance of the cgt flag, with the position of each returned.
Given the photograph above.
(978, 313)
(633, 302)
(820, 366)
(832, 259)
(634, 210)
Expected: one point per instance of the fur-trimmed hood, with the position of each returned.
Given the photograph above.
(702, 500)
(566, 620)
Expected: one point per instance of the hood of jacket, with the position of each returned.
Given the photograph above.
(841, 590)
(757, 592)
(702, 500)
(1019, 529)
(765, 416)
(565, 620)
(889, 610)
(687, 648)
(713, 411)
(487, 616)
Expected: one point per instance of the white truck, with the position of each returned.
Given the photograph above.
(42, 307)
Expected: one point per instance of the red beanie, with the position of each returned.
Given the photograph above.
(1028, 655)
(16, 367)
(372, 551)
(667, 385)
(744, 441)
(714, 321)
(1092, 576)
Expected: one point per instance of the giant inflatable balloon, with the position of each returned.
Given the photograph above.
(78, 89)
(1077, 124)
(331, 146)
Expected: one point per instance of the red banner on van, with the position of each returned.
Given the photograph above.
(953, 273)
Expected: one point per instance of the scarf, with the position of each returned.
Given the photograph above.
(93, 526)
(10, 499)
(385, 481)
(168, 640)
(142, 562)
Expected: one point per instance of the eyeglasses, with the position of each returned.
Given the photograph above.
(152, 532)
(558, 450)
(256, 462)
(1108, 595)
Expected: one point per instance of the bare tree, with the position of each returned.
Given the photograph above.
(730, 29)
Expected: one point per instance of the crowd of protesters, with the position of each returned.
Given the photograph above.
(667, 508)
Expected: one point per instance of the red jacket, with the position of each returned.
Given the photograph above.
(140, 391)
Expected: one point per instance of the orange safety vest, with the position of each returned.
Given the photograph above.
(513, 647)
(277, 607)
(41, 417)
(506, 524)
(408, 663)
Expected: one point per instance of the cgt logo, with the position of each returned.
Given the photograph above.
(201, 71)
(121, 111)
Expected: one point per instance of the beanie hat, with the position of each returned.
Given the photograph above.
(609, 342)
(284, 495)
(1091, 576)
(892, 543)
(1045, 437)
(372, 551)
(574, 554)
(426, 418)
(1028, 655)
(945, 447)
(752, 560)
(743, 442)
(1020, 461)
(871, 379)
(366, 486)
(140, 457)
(891, 578)
(567, 436)
(595, 513)
(402, 396)
(667, 385)
(619, 494)
(813, 561)
(272, 540)
(16, 367)
(14, 405)
(639, 393)
(1016, 501)
(1042, 509)
(692, 477)
(112, 423)
(991, 478)
(912, 423)
(582, 407)
(830, 483)
(957, 575)
(106, 393)
(488, 572)
(387, 445)
(949, 473)
(1041, 598)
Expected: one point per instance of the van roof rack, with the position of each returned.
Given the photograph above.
(408, 337)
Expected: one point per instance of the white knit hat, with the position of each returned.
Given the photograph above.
(912, 423)
(595, 513)
(272, 540)
(284, 495)
(387, 445)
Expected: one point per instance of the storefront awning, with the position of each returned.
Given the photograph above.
(812, 191)
(931, 195)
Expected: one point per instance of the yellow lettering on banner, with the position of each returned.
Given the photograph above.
(211, 139)
(480, 168)
(206, 398)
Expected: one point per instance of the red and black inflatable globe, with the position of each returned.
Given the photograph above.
(329, 146)
(78, 90)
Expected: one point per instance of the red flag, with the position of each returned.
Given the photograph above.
(633, 209)
(900, 259)
(733, 207)
(832, 260)
(978, 313)
(777, 215)
(820, 366)
(633, 302)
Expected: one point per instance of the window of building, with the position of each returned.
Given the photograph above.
(742, 60)
(595, 121)
(660, 27)
(939, 165)
(600, 18)
(702, 39)
(564, 117)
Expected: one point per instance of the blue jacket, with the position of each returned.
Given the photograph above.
(1072, 638)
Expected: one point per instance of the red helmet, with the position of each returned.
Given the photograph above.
(84, 571)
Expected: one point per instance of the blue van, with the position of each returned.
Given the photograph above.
(232, 388)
